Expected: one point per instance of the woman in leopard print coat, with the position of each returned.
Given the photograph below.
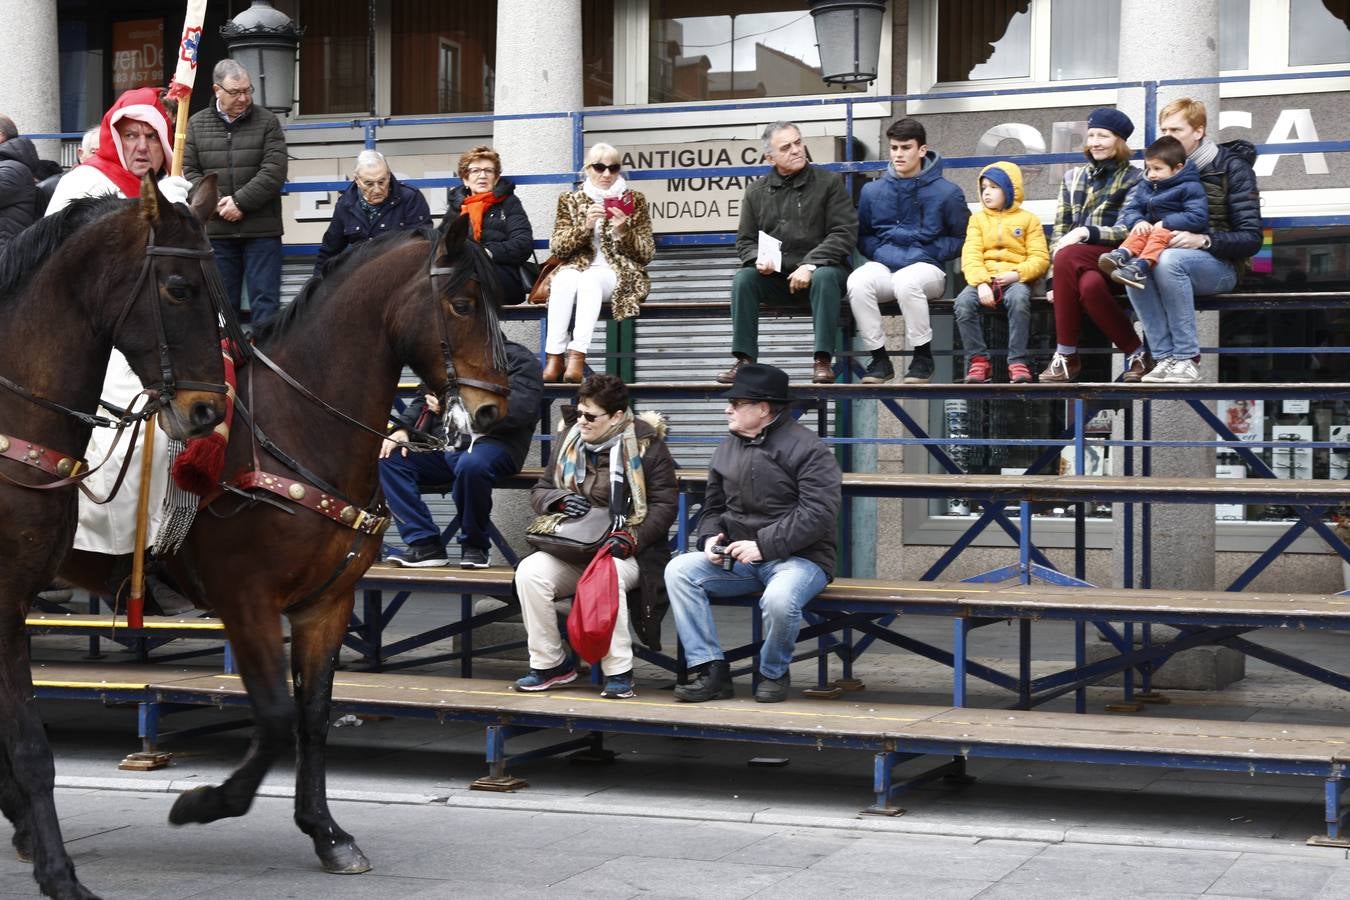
(603, 235)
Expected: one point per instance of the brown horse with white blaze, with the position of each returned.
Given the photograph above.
(132, 274)
(300, 523)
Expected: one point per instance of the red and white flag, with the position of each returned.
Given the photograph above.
(186, 73)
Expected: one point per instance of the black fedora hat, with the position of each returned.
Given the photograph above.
(756, 381)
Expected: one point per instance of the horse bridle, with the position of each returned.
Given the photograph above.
(71, 470)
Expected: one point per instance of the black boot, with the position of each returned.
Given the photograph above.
(713, 683)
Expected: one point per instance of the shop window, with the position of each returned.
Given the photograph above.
(1319, 32)
(706, 50)
(984, 39)
(442, 57)
(1235, 25)
(597, 52)
(334, 60)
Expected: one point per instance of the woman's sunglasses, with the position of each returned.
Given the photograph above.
(591, 417)
(601, 168)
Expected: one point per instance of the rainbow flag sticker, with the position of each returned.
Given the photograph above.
(1264, 260)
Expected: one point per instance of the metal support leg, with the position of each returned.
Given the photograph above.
(960, 634)
(230, 667)
(466, 637)
(1335, 814)
(1024, 664)
(147, 724)
(372, 605)
(1079, 661)
(496, 779)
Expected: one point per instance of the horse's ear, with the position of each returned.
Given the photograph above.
(203, 197)
(456, 232)
(150, 198)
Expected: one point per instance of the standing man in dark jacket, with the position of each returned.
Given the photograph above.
(375, 203)
(18, 187)
(911, 221)
(809, 211)
(1197, 263)
(472, 473)
(768, 525)
(243, 144)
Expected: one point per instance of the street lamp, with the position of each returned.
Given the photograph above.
(265, 42)
(848, 35)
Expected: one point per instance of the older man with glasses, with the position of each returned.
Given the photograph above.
(376, 203)
(243, 144)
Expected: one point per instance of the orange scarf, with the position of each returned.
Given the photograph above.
(475, 206)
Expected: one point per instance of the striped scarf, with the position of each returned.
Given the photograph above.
(624, 459)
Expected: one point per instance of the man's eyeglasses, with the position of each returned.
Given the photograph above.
(590, 416)
(480, 170)
(235, 92)
(601, 168)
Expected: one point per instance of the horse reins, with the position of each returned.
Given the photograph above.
(74, 470)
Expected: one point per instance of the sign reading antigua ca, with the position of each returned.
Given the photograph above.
(702, 203)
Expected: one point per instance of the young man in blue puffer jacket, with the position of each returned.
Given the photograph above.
(911, 221)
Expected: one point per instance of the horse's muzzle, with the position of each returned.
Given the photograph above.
(192, 414)
(485, 417)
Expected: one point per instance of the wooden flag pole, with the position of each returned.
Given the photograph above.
(180, 134)
(136, 601)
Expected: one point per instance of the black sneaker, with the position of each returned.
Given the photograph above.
(878, 371)
(420, 556)
(471, 557)
(920, 370)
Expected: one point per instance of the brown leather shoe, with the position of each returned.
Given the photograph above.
(821, 372)
(729, 376)
(1063, 368)
(576, 367)
(553, 368)
(1137, 365)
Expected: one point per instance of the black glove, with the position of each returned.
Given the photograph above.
(621, 544)
(574, 506)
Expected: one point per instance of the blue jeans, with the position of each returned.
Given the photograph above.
(1017, 305)
(787, 586)
(471, 477)
(1166, 303)
(257, 263)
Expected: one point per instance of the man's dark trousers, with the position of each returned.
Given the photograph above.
(257, 263)
(749, 289)
(471, 476)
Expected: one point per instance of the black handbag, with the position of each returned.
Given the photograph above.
(568, 538)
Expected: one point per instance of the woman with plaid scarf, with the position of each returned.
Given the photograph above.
(1086, 226)
(607, 452)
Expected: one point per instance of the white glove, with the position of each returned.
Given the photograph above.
(175, 188)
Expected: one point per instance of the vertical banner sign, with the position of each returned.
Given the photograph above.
(185, 75)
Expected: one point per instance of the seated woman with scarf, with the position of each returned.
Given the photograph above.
(607, 452)
(497, 217)
(603, 235)
(375, 203)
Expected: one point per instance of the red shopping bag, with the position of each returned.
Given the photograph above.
(590, 624)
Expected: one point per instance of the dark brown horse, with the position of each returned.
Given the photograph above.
(256, 558)
(134, 274)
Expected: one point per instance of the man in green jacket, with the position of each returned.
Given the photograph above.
(243, 144)
(808, 210)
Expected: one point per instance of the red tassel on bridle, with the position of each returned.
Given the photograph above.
(198, 468)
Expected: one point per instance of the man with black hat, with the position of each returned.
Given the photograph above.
(768, 527)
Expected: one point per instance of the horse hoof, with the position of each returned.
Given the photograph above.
(345, 860)
(190, 807)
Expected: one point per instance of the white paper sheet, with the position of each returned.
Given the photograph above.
(770, 251)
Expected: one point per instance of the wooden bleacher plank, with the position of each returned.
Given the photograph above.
(108, 676)
(1114, 391)
(484, 696)
(1186, 737)
(86, 623)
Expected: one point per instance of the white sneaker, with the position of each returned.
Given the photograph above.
(1182, 371)
(1159, 373)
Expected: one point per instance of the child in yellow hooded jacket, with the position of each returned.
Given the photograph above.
(1005, 251)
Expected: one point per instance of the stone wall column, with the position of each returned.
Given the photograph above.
(30, 59)
(538, 70)
(1183, 535)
